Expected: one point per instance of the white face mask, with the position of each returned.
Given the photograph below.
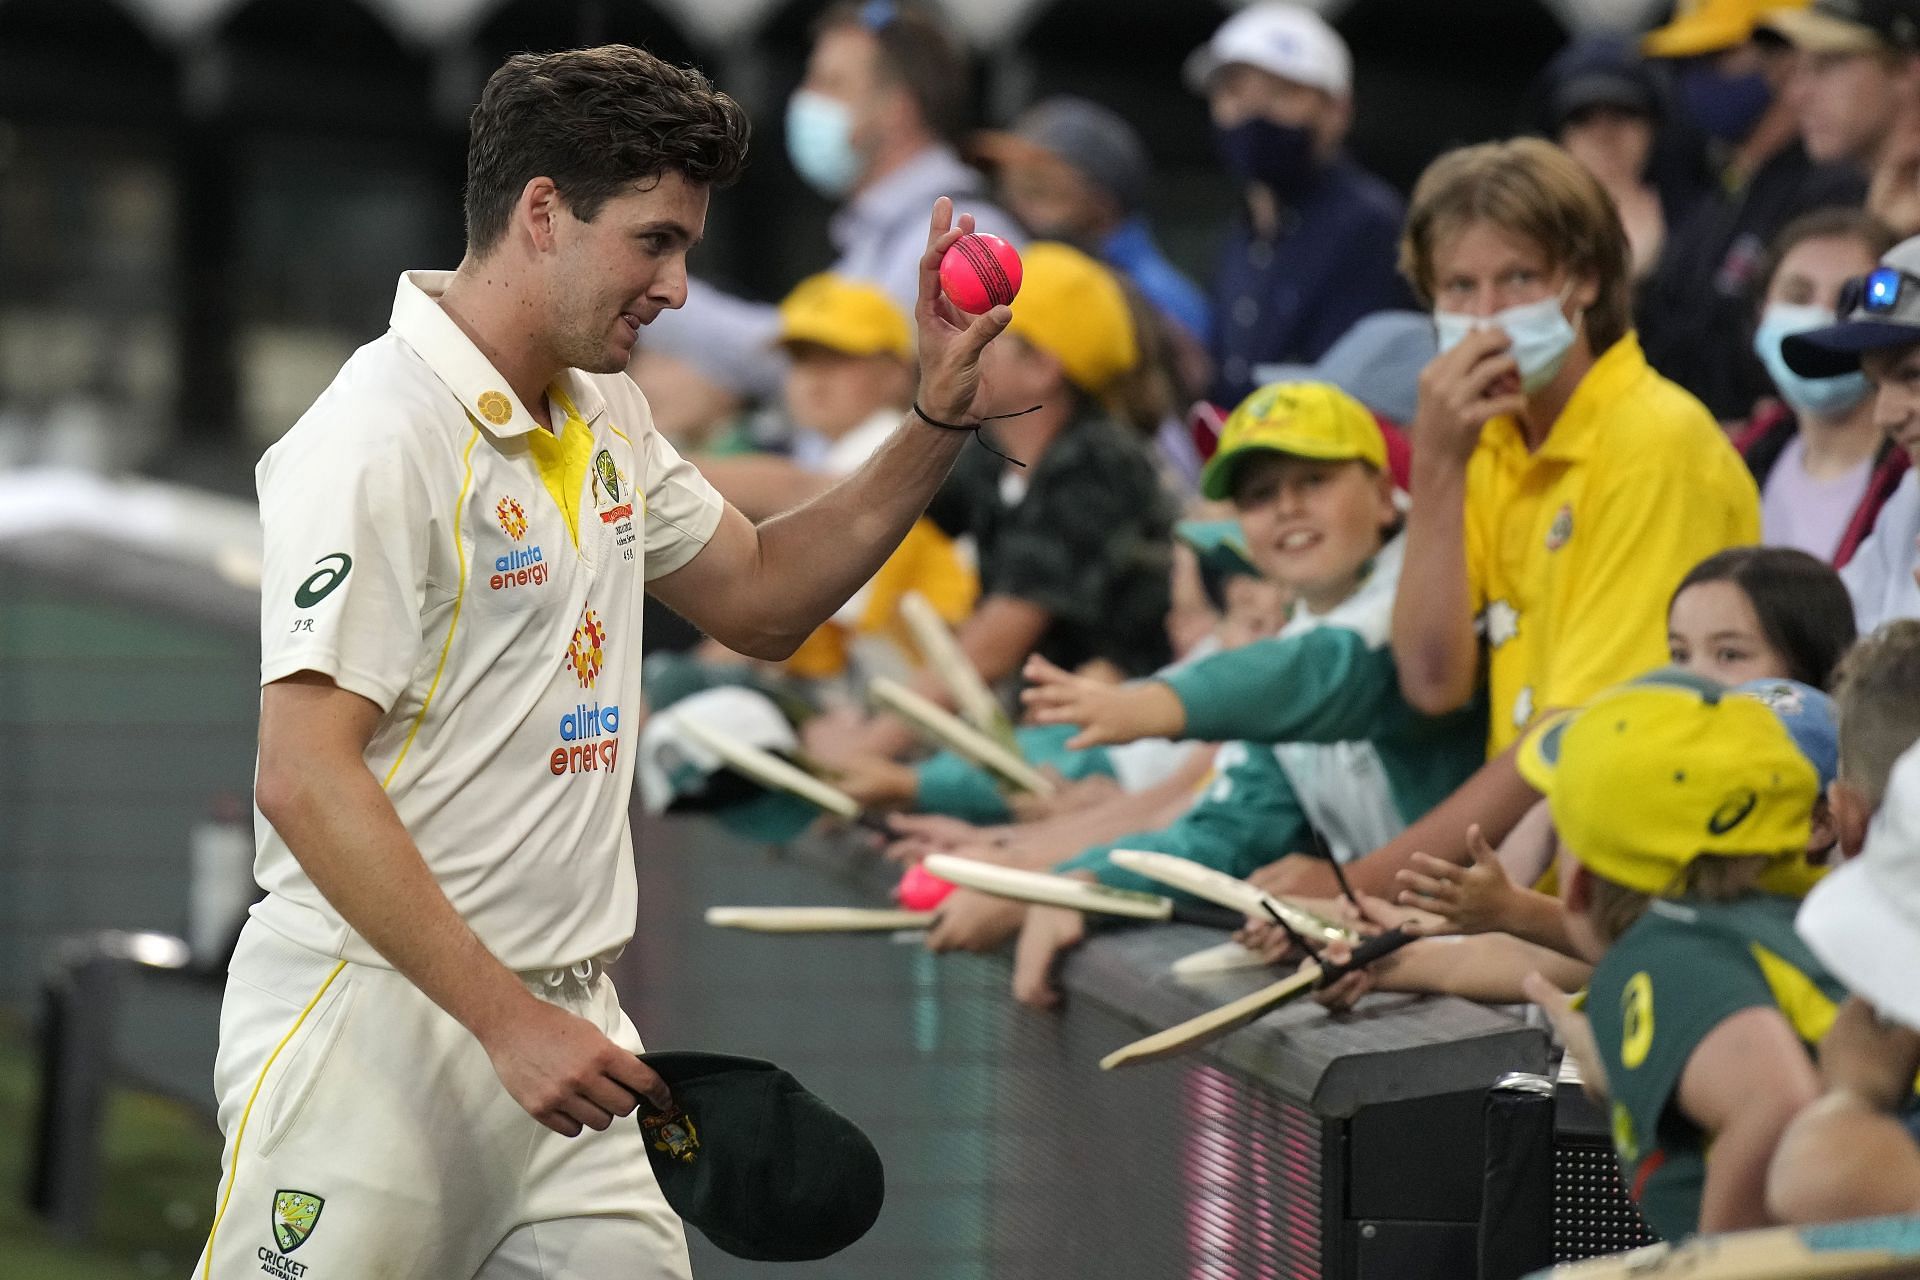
(1540, 332)
(820, 142)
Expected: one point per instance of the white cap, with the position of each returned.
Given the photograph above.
(1863, 920)
(672, 763)
(1288, 40)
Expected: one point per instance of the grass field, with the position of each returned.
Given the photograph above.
(160, 1165)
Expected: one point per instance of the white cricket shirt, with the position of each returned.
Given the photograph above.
(430, 546)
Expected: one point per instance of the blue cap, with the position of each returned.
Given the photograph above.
(1808, 715)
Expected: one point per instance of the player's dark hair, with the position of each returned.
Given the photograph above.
(599, 122)
(917, 52)
(1877, 702)
(1803, 607)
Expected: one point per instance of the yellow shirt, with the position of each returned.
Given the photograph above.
(1574, 551)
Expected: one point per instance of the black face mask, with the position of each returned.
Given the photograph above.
(1278, 156)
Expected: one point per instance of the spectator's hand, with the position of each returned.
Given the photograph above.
(1069, 796)
(832, 736)
(1873, 1059)
(1298, 875)
(950, 341)
(876, 782)
(1574, 1031)
(1461, 390)
(1478, 898)
(1045, 935)
(1341, 996)
(918, 834)
(1106, 712)
(968, 920)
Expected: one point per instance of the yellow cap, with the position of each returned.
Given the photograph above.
(847, 316)
(1708, 26)
(1073, 309)
(1305, 419)
(1653, 774)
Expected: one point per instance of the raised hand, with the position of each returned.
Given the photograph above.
(1461, 390)
(1477, 898)
(950, 341)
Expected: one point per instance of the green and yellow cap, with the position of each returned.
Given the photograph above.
(1669, 768)
(1305, 419)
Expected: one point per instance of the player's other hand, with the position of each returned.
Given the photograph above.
(565, 1072)
(950, 339)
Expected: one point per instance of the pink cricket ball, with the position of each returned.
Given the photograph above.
(920, 889)
(980, 272)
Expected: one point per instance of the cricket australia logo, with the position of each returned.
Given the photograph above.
(587, 654)
(295, 1213)
(513, 518)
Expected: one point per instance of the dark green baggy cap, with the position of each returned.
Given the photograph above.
(762, 1167)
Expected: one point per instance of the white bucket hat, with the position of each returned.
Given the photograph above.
(1863, 919)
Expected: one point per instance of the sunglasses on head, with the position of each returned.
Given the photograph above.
(1884, 291)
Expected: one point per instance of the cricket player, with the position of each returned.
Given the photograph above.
(422, 1061)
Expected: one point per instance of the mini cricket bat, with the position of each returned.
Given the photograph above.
(1238, 1013)
(1069, 891)
(1228, 957)
(978, 706)
(1867, 1247)
(951, 731)
(769, 770)
(817, 919)
(1217, 886)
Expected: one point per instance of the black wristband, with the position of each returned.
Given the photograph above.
(944, 426)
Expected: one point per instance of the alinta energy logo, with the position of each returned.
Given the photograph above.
(591, 731)
(521, 566)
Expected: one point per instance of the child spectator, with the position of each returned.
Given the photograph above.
(1561, 487)
(1318, 738)
(1675, 801)
(1880, 336)
(1823, 465)
(1073, 546)
(1852, 1154)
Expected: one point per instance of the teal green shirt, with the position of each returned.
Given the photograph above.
(1684, 968)
(1345, 756)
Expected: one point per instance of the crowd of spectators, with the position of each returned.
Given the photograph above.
(1531, 562)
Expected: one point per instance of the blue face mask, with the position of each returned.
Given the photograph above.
(1277, 156)
(1724, 107)
(820, 142)
(1808, 397)
(1540, 333)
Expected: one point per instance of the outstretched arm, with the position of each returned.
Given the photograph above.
(762, 590)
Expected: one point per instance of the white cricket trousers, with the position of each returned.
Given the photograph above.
(367, 1138)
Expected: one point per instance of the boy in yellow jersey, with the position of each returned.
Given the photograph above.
(1676, 801)
(1561, 488)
